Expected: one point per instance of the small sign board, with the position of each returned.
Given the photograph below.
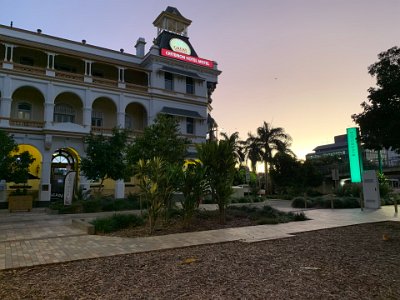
(69, 183)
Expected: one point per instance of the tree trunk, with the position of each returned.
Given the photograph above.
(221, 214)
(266, 176)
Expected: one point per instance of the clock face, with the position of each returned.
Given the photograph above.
(180, 46)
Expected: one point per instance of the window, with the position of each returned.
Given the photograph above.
(24, 111)
(97, 119)
(64, 113)
(169, 81)
(189, 85)
(190, 125)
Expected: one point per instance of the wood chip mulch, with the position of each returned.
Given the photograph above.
(353, 262)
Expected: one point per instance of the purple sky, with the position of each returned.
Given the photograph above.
(298, 64)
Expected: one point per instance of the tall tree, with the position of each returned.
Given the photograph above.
(379, 122)
(106, 157)
(271, 140)
(160, 139)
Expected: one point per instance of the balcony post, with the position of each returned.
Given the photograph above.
(45, 185)
(87, 110)
(6, 100)
(50, 65)
(88, 71)
(9, 53)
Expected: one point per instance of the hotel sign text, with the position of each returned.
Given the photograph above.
(187, 58)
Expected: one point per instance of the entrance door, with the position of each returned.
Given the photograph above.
(63, 161)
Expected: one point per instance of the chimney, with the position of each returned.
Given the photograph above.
(140, 47)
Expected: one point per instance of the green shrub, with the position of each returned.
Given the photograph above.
(298, 202)
(351, 202)
(349, 189)
(244, 200)
(264, 221)
(300, 216)
(116, 222)
(91, 205)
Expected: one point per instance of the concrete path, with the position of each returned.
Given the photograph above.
(35, 238)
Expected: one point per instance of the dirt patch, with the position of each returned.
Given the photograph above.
(354, 262)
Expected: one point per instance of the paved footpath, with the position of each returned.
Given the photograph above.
(28, 239)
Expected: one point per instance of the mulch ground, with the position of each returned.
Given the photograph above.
(354, 262)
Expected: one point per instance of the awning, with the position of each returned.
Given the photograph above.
(181, 72)
(181, 112)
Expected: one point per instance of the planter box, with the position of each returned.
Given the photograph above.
(20, 202)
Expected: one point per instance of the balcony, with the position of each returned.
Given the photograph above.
(26, 123)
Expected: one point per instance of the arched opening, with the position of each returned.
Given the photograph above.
(68, 109)
(104, 74)
(27, 107)
(136, 77)
(135, 117)
(69, 64)
(104, 115)
(30, 57)
(35, 171)
(64, 160)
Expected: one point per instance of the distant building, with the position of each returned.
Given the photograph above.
(336, 156)
(338, 148)
(54, 92)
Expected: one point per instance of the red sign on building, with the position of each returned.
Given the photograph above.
(187, 58)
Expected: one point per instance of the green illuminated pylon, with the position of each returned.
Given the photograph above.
(354, 154)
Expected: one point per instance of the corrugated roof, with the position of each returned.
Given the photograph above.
(181, 112)
(181, 72)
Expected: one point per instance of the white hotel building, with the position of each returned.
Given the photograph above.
(54, 92)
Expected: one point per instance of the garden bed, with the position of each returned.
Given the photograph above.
(236, 216)
(352, 262)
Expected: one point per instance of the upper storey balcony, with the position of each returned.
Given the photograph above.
(72, 68)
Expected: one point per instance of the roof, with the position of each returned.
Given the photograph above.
(172, 13)
(331, 147)
(181, 112)
(181, 72)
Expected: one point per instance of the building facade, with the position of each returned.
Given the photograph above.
(54, 92)
(335, 158)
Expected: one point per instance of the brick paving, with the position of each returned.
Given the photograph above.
(28, 239)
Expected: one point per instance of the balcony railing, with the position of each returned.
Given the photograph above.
(29, 69)
(70, 76)
(26, 123)
(77, 77)
(101, 130)
(133, 86)
(104, 81)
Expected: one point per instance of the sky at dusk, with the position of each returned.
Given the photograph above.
(297, 64)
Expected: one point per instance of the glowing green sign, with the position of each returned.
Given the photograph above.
(354, 154)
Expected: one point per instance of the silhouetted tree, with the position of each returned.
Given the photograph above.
(380, 122)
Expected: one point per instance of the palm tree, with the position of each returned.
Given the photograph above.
(236, 145)
(269, 140)
(252, 151)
